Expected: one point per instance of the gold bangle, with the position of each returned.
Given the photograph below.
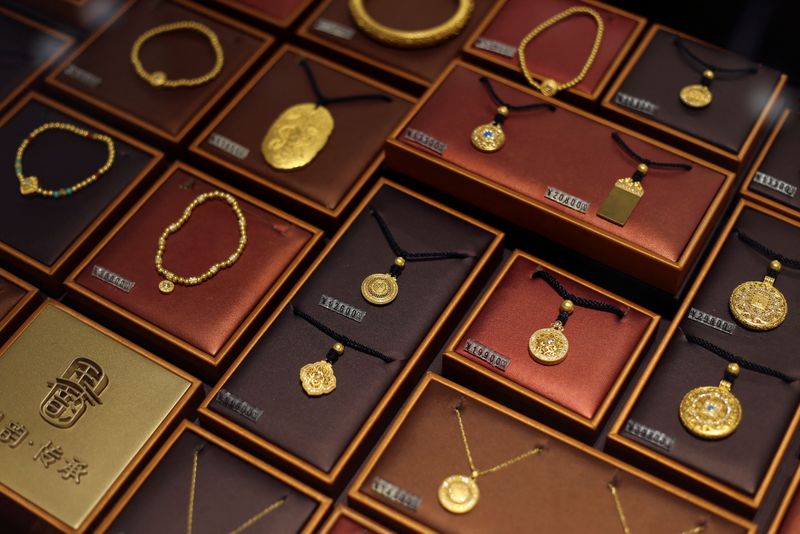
(159, 78)
(411, 38)
(549, 86)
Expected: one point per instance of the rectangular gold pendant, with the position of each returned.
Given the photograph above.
(621, 201)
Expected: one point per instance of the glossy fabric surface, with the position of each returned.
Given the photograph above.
(783, 162)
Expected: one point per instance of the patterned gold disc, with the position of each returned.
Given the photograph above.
(549, 345)
(166, 287)
(458, 494)
(488, 137)
(710, 412)
(297, 136)
(317, 378)
(758, 305)
(696, 96)
(379, 289)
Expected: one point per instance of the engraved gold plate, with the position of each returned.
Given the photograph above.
(379, 289)
(458, 494)
(297, 136)
(29, 185)
(621, 201)
(488, 137)
(711, 412)
(166, 287)
(549, 345)
(317, 378)
(758, 305)
(696, 96)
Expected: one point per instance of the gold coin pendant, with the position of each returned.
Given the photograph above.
(549, 345)
(297, 136)
(379, 288)
(488, 137)
(696, 96)
(458, 494)
(317, 378)
(758, 305)
(710, 412)
(166, 287)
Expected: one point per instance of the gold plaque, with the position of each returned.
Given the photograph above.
(379, 288)
(488, 137)
(621, 201)
(29, 185)
(317, 378)
(549, 345)
(758, 305)
(459, 494)
(297, 136)
(696, 96)
(711, 412)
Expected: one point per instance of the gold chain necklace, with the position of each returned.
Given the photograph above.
(548, 86)
(247, 524)
(612, 487)
(159, 78)
(29, 185)
(459, 493)
(170, 279)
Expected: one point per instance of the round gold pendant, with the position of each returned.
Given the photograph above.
(317, 378)
(297, 136)
(710, 412)
(549, 345)
(549, 87)
(458, 494)
(758, 305)
(488, 137)
(696, 96)
(166, 287)
(379, 289)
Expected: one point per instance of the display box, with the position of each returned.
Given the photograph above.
(537, 181)
(561, 50)
(260, 402)
(324, 188)
(331, 27)
(490, 349)
(568, 480)
(738, 469)
(280, 14)
(204, 325)
(226, 489)
(29, 48)
(82, 15)
(17, 299)
(169, 114)
(51, 235)
(646, 95)
(345, 520)
(80, 409)
(787, 519)
(774, 179)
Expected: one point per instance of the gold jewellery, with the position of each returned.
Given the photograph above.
(29, 185)
(459, 493)
(699, 95)
(159, 78)
(612, 487)
(548, 86)
(170, 279)
(411, 38)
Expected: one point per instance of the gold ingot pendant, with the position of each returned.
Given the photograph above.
(696, 96)
(488, 137)
(711, 412)
(549, 346)
(458, 494)
(317, 378)
(621, 201)
(297, 136)
(379, 289)
(758, 305)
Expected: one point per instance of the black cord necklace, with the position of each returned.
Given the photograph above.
(490, 137)
(699, 95)
(759, 305)
(318, 378)
(549, 345)
(714, 412)
(627, 192)
(382, 288)
(299, 133)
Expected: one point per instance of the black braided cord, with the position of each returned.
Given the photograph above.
(405, 254)
(499, 118)
(344, 340)
(746, 364)
(322, 100)
(766, 251)
(638, 175)
(709, 66)
(578, 301)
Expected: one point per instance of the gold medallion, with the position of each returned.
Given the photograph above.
(458, 494)
(712, 412)
(696, 96)
(549, 345)
(379, 288)
(297, 136)
(29, 185)
(317, 378)
(758, 305)
(488, 137)
(166, 286)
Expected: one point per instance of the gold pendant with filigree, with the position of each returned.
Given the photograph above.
(759, 305)
(549, 345)
(459, 494)
(712, 412)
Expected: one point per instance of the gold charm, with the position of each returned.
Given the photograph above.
(712, 412)
(29, 185)
(379, 288)
(317, 378)
(759, 305)
(297, 136)
(157, 79)
(549, 87)
(166, 287)
(459, 494)
(623, 198)
(549, 345)
(490, 137)
(696, 96)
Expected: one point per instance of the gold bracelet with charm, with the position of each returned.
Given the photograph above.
(167, 285)
(699, 95)
(548, 86)
(411, 38)
(159, 78)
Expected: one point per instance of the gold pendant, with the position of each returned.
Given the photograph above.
(29, 185)
(696, 96)
(712, 412)
(549, 346)
(166, 287)
(758, 305)
(488, 137)
(458, 494)
(549, 87)
(297, 136)
(621, 201)
(379, 288)
(317, 378)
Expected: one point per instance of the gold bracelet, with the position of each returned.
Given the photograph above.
(29, 185)
(549, 86)
(411, 38)
(159, 78)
